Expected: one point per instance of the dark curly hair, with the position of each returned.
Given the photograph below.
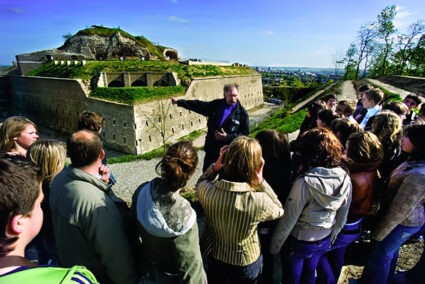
(320, 148)
(178, 165)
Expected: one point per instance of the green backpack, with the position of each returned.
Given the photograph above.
(50, 275)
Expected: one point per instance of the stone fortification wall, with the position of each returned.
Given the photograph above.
(119, 128)
(52, 102)
(5, 104)
(57, 103)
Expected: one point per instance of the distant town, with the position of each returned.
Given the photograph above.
(281, 75)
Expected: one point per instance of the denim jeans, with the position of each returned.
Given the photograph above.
(220, 272)
(381, 267)
(301, 260)
(331, 263)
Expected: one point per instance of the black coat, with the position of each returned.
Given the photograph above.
(236, 124)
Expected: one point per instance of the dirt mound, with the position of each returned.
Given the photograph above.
(411, 84)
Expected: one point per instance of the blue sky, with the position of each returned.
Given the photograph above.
(268, 33)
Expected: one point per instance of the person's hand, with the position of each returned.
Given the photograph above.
(104, 173)
(220, 135)
(219, 163)
(260, 177)
(173, 101)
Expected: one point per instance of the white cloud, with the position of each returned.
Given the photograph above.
(403, 18)
(176, 19)
(16, 10)
(268, 33)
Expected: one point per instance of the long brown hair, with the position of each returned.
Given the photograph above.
(320, 148)
(364, 147)
(178, 165)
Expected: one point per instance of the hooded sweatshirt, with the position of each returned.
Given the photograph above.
(169, 232)
(316, 207)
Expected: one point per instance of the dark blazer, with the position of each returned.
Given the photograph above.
(236, 124)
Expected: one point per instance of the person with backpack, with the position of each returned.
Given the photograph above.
(21, 218)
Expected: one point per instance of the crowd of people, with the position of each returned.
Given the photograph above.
(354, 168)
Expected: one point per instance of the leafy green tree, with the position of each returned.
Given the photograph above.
(406, 43)
(417, 66)
(386, 31)
(67, 36)
(366, 36)
(350, 61)
(371, 55)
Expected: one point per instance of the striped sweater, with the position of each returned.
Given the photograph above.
(233, 211)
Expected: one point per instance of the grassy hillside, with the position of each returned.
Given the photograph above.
(140, 40)
(92, 68)
(287, 122)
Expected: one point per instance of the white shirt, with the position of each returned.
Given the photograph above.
(370, 112)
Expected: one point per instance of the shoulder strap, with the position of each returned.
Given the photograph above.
(51, 275)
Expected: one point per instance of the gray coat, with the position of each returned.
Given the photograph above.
(88, 227)
(316, 206)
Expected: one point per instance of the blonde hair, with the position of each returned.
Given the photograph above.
(364, 147)
(49, 155)
(11, 128)
(388, 127)
(242, 161)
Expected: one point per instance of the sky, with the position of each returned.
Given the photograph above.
(303, 33)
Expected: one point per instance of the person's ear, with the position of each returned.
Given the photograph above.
(16, 225)
(102, 154)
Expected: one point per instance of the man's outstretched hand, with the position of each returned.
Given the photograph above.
(173, 101)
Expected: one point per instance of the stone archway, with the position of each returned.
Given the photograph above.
(116, 83)
(171, 54)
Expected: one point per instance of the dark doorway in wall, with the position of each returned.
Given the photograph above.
(116, 84)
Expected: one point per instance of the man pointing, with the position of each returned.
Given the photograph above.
(227, 119)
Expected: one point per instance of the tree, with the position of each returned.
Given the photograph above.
(366, 35)
(406, 43)
(417, 66)
(371, 55)
(386, 30)
(159, 122)
(350, 61)
(338, 59)
(67, 36)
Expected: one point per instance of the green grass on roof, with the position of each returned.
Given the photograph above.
(92, 68)
(132, 95)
